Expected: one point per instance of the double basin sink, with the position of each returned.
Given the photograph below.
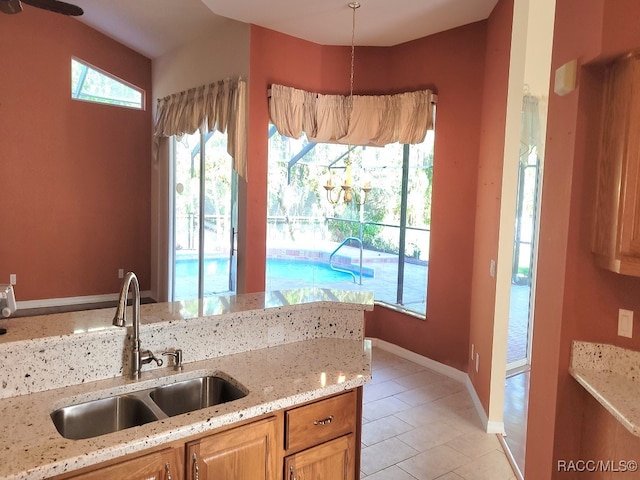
(111, 414)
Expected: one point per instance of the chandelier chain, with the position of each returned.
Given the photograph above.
(354, 6)
(347, 191)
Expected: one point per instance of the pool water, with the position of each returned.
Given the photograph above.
(217, 274)
(291, 269)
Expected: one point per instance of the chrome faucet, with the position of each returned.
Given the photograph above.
(138, 357)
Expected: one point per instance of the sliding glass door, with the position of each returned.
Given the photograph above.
(204, 216)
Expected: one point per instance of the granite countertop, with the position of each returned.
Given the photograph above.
(72, 323)
(283, 348)
(612, 375)
(276, 378)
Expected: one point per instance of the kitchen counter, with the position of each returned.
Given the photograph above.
(612, 375)
(64, 324)
(283, 355)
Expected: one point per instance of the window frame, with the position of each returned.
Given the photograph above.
(115, 78)
(403, 225)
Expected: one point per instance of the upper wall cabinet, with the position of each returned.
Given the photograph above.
(616, 234)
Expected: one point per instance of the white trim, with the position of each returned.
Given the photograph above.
(507, 451)
(453, 373)
(58, 302)
(490, 426)
(445, 370)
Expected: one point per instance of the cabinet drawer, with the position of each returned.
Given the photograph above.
(320, 421)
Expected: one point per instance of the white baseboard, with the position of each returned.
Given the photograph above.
(445, 370)
(491, 426)
(453, 373)
(64, 301)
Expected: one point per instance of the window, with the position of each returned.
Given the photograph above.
(313, 242)
(91, 84)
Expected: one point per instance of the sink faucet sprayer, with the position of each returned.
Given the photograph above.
(138, 357)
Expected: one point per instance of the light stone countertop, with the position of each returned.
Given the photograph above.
(71, 323)
(276, 378)
(284, 348)
(612, 375)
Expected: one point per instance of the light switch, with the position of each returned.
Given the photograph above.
(625, 323)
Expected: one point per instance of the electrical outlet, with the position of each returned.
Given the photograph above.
(492, 268)
(121, 273)
(625, 323)
(12, 279)
(477, 362)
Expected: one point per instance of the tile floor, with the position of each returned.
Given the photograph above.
(516, 405)
(421, 425)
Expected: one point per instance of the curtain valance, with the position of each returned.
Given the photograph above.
(374, 119)
(220, 105)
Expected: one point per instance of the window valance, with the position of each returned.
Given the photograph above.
(374, 120)
(220, 105)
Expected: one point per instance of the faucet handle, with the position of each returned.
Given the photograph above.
(147, 356)
(177, 357)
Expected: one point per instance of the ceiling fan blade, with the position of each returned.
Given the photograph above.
(56, 6)
(10, 6)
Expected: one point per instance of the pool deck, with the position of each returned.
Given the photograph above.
(383, 265)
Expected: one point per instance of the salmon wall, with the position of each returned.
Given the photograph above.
(487, 219)
(274, 58)
(75, 175)
(452, 64)
(575, 299)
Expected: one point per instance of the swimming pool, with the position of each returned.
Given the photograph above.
(279, 271)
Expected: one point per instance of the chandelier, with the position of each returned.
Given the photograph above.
(347, 191)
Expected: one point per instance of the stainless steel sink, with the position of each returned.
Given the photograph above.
(190, 395)
(98, 417)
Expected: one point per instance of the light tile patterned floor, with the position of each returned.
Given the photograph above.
(421, 425)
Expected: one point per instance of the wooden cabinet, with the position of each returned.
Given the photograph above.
(616, 234)
(166, 464)
(321, 439)
(334, 460)
(316, 441)
(243, 453)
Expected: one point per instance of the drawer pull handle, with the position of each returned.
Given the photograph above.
(196, 473)
(292, 475)
(326, 421)
(167, 468)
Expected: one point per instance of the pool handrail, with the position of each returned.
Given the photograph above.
(338, 269)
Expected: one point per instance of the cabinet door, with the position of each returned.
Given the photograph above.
(630, 214)
(243, 453)
(616, 233)
(332, 460)
(163, 465)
